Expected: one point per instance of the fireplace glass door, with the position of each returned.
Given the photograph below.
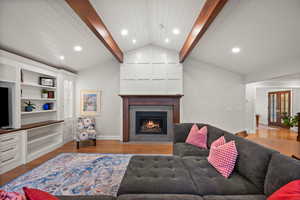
(151, 122)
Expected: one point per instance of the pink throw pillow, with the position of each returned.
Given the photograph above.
(197, 137)
(223, 156)
(220, 141)
(11, 196)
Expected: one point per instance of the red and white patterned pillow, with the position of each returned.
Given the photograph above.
(222, 156)
(220, 141)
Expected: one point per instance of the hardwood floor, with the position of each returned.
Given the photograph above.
(107, 146)
(280, 139)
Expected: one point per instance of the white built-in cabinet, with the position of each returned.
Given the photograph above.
(68, 82)
(22, 77)
(12, 150)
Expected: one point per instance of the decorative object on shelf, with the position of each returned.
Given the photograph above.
(90, 102)
(46, 81)
(86, 130)
(44, 94)
(51, 95)
(29, 106)
(48, 106)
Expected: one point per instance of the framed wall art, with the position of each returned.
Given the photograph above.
(90, 102)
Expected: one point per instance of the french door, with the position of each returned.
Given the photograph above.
(279, 105)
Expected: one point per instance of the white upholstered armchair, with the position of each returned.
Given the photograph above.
(86, 130)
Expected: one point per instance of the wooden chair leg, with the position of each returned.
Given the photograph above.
(77, 144)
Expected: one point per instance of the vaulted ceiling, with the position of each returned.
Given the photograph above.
(267, 31)
(47, 29)
(144, 20)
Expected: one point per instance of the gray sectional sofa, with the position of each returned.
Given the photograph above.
(187, 175)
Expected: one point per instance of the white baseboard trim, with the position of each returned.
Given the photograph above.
(251, 131)
(108, 137)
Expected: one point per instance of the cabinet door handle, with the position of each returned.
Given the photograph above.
(8, 150)
(6, 140)
(3, 161)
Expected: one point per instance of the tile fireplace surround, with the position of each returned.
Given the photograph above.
(152, 114)
(133, 103)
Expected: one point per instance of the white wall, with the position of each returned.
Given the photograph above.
(213, 95)
(104, 77)
(151, 70)
(285, 68)
(261, 102)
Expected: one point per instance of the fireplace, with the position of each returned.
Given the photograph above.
(151, 123)
(150, 117)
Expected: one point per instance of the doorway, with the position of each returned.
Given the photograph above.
(279, 105)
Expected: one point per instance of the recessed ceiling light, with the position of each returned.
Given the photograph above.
(124, 32)
(176, 31)
(77, 48)
(167, 40)
(235, 50)
(134, 41)
(61, 57)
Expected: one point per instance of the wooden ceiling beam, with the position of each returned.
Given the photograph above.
(89, 16)
(206, 16)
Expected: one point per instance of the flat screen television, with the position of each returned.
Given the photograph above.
(4, 102)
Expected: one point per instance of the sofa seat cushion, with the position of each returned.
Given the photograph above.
(156, 175)
(282, 170)
(100, 197)
(159, 197)
(235, 197)
(185, 149)
(252, 161)
(210, 182)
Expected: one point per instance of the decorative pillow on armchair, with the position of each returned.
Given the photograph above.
(197, 137)
(222, 156)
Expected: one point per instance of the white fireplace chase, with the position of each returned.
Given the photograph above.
(151, 88)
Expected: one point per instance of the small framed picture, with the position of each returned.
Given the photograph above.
(46, 81)
(51, 95)
(90, 102)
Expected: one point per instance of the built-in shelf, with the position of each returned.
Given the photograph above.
(37, 85)
(36, 112)
(37, 99)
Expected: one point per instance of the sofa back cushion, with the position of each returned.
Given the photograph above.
(282, 170)
(252, 161)
(181, 132)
